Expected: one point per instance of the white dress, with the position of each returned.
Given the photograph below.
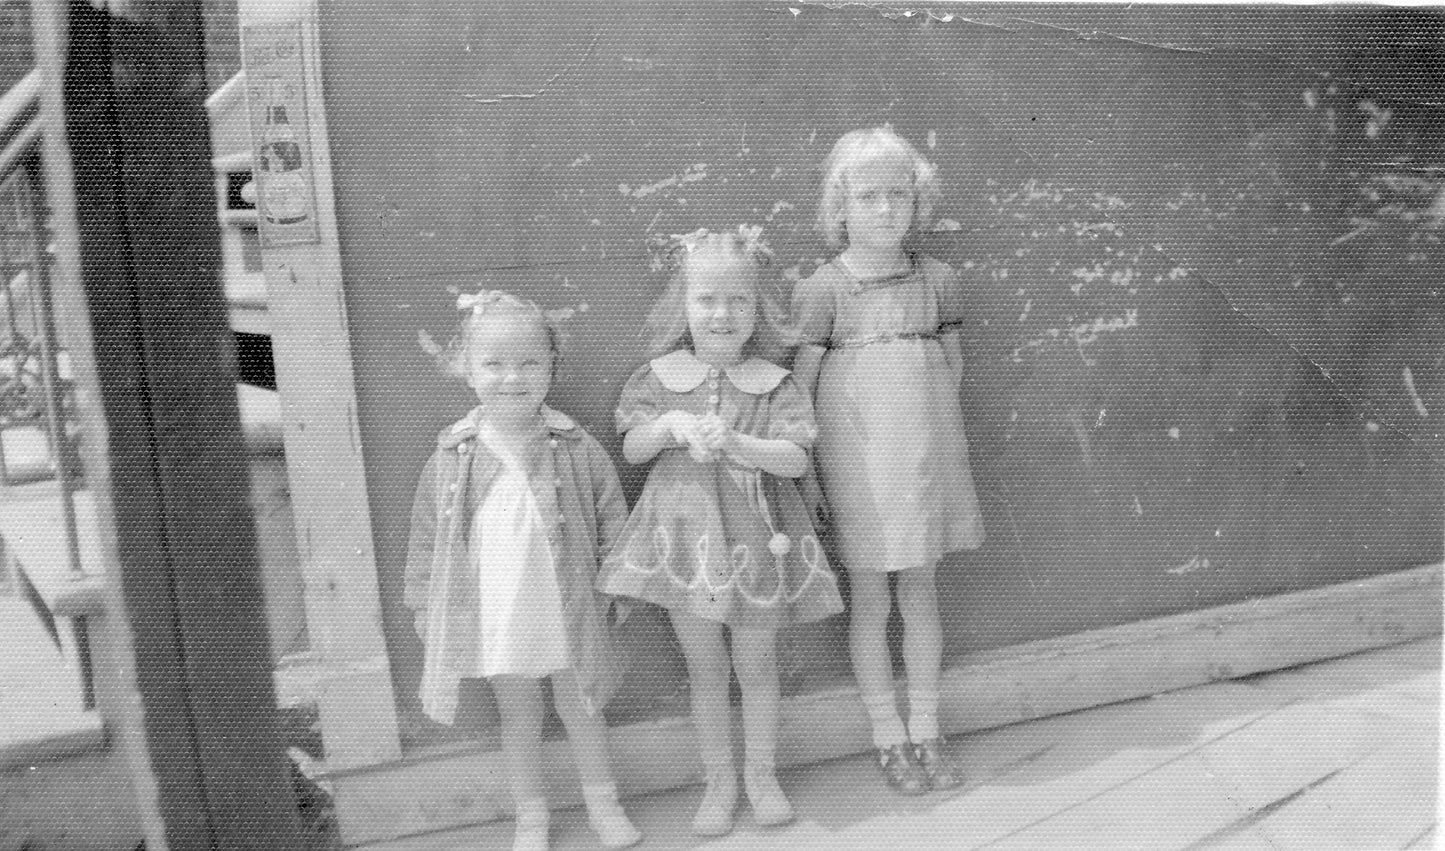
(521, 626)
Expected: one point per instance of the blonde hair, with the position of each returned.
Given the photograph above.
(485, 305)
(860, 146)
(667, 321)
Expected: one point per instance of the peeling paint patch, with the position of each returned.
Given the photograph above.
(693, 173)
(582, 160)
(943, 225)
(1138, 507)
(1082, 333)
(1196, 563)
(1414, 396)
(778, 207)
(932, 139)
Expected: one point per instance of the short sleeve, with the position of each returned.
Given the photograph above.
(948, 286)
(641, 400)
(813, 309)
(790, 415)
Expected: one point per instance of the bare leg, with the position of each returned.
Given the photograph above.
(587, 731)
(873, 667)
(756, 664)
(868, 642)
(519, 700)
(588, 734)
(709, 674)
(923, 656)
(922, 647)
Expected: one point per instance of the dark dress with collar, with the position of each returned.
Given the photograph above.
(727, 543)
(892, 454)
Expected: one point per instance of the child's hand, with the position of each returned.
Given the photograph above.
(618, 611)
(688, 430)
(681, 426)
(715, 434)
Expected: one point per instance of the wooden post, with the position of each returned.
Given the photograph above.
(129, 179)
(311, 344)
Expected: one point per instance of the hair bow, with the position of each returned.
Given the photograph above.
(479, 301)
(754, 245)
(669, 252)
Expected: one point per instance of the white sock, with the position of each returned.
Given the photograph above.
(608, 818)
(922, 715)
(533, 821)
(599, 796)
(532, 813)
(887, 726)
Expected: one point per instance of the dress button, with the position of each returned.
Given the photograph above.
(453, 487)
(462, 448)
(447, 513)
(712, 400)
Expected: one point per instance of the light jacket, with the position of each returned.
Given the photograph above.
(581, 502)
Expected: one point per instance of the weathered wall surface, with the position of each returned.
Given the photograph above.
(1204, 256)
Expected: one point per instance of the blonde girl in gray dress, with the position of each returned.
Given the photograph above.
(882, 360)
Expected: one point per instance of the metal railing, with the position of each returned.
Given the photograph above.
(38, 427)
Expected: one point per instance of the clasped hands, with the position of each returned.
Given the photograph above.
(706, 437)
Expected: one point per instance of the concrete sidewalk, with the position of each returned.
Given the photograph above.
(1341, 754)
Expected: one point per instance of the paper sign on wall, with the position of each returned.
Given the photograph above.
(280, 139)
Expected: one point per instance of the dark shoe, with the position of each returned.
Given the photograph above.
(902, 772)
(941, 771)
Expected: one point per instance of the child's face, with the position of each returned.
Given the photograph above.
(509, 366)
(722, 308)
(880, 202)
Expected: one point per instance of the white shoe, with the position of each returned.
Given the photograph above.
(609, 821)
(715, 813)
(533, 828)
(770, 805)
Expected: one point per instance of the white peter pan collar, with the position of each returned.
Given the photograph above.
(681, 372)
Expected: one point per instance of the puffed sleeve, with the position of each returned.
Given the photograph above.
(422, 542)
(641, 400)
(790, 415)
(813, 308)
(948, 286)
